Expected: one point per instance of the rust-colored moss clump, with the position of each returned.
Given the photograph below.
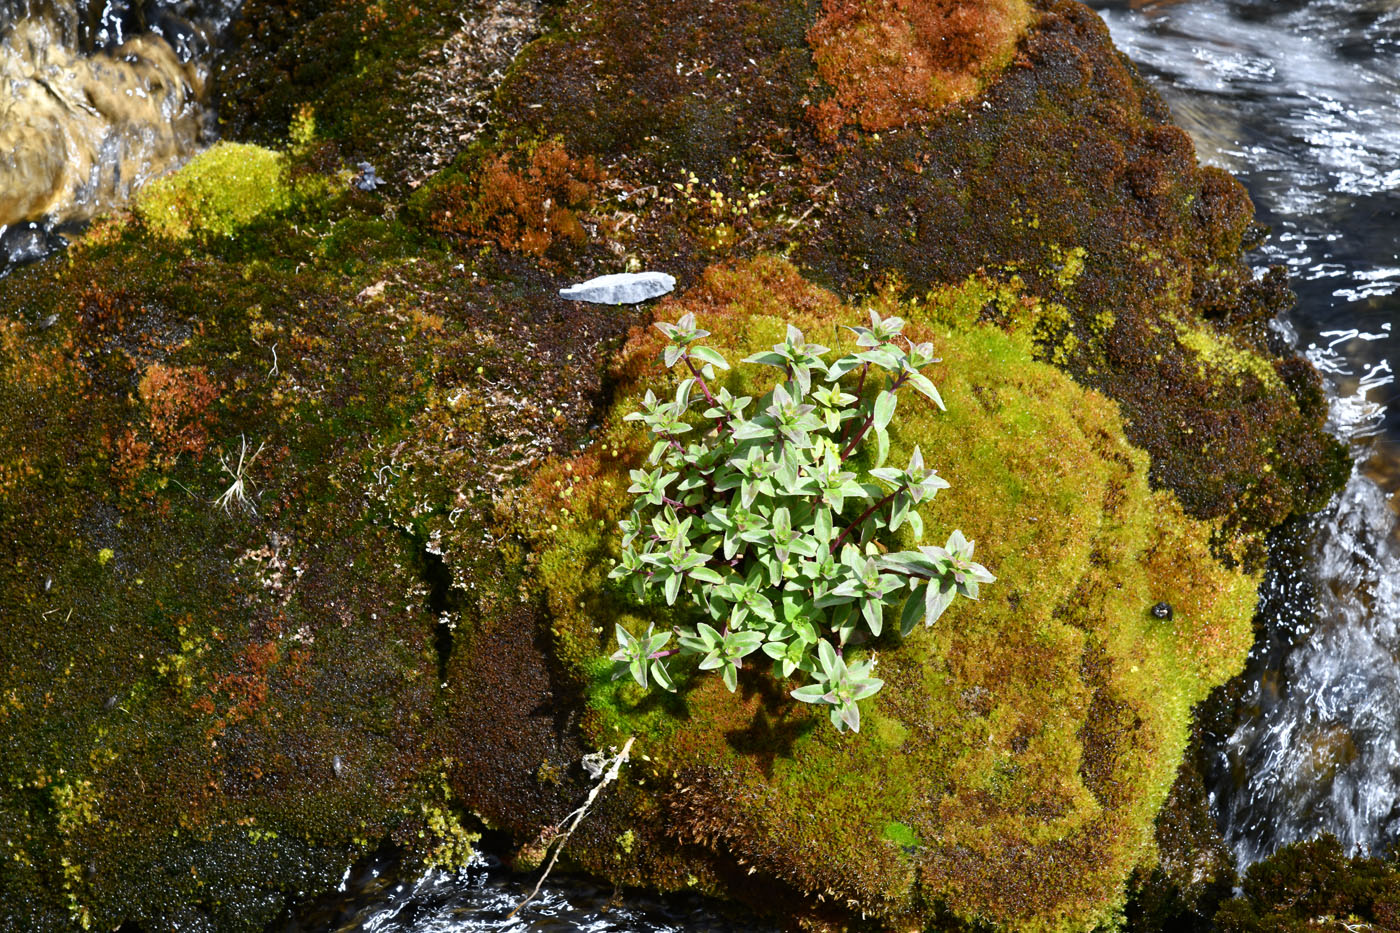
(176, 398)
(523, 203)
(1010, 770)
(890, 63)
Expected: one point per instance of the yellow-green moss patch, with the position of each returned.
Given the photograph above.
(1220, 359)
(218, 191)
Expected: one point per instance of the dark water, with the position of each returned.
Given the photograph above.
(1301, 101)
(89, 26)
(479, 899)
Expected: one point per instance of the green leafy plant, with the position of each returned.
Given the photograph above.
(759, 514)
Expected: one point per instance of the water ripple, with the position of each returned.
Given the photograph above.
(1301, 100)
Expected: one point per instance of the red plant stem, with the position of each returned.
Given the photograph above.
(724, 419)
(846, 452)
(700, 379)
(860, 387)
(866, 514)
(860, 435)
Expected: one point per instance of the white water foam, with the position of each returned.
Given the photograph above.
(1321, 752)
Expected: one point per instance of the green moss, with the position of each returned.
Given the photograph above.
(901, 835)
(1040, 726)
(224, 188)
(1221, 359)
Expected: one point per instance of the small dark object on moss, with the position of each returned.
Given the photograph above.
(1163, 611)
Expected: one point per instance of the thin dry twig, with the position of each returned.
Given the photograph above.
(608, 774)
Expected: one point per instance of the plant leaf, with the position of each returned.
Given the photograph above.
(884, 409)
(812, 693)
(706, 575)
(870, 609)
(939, 596)
(925, 387)
(662, 676)
(913, 610)
(709, 355)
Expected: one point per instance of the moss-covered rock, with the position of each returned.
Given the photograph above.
(214, 702)
(1025, 743)
(1065, 160)
(275, 469)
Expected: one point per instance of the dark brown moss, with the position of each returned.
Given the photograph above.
(1195, 870)
(1314, 885)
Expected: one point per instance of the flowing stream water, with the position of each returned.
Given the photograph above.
(96, 97)
(1300, 99)
(482, 898)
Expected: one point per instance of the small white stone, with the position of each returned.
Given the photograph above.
(623, 288)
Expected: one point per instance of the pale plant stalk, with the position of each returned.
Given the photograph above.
(238, 489)
(572, 821)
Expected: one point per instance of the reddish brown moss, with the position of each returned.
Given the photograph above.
(176, 399)
(523, 203)
(895, 62)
